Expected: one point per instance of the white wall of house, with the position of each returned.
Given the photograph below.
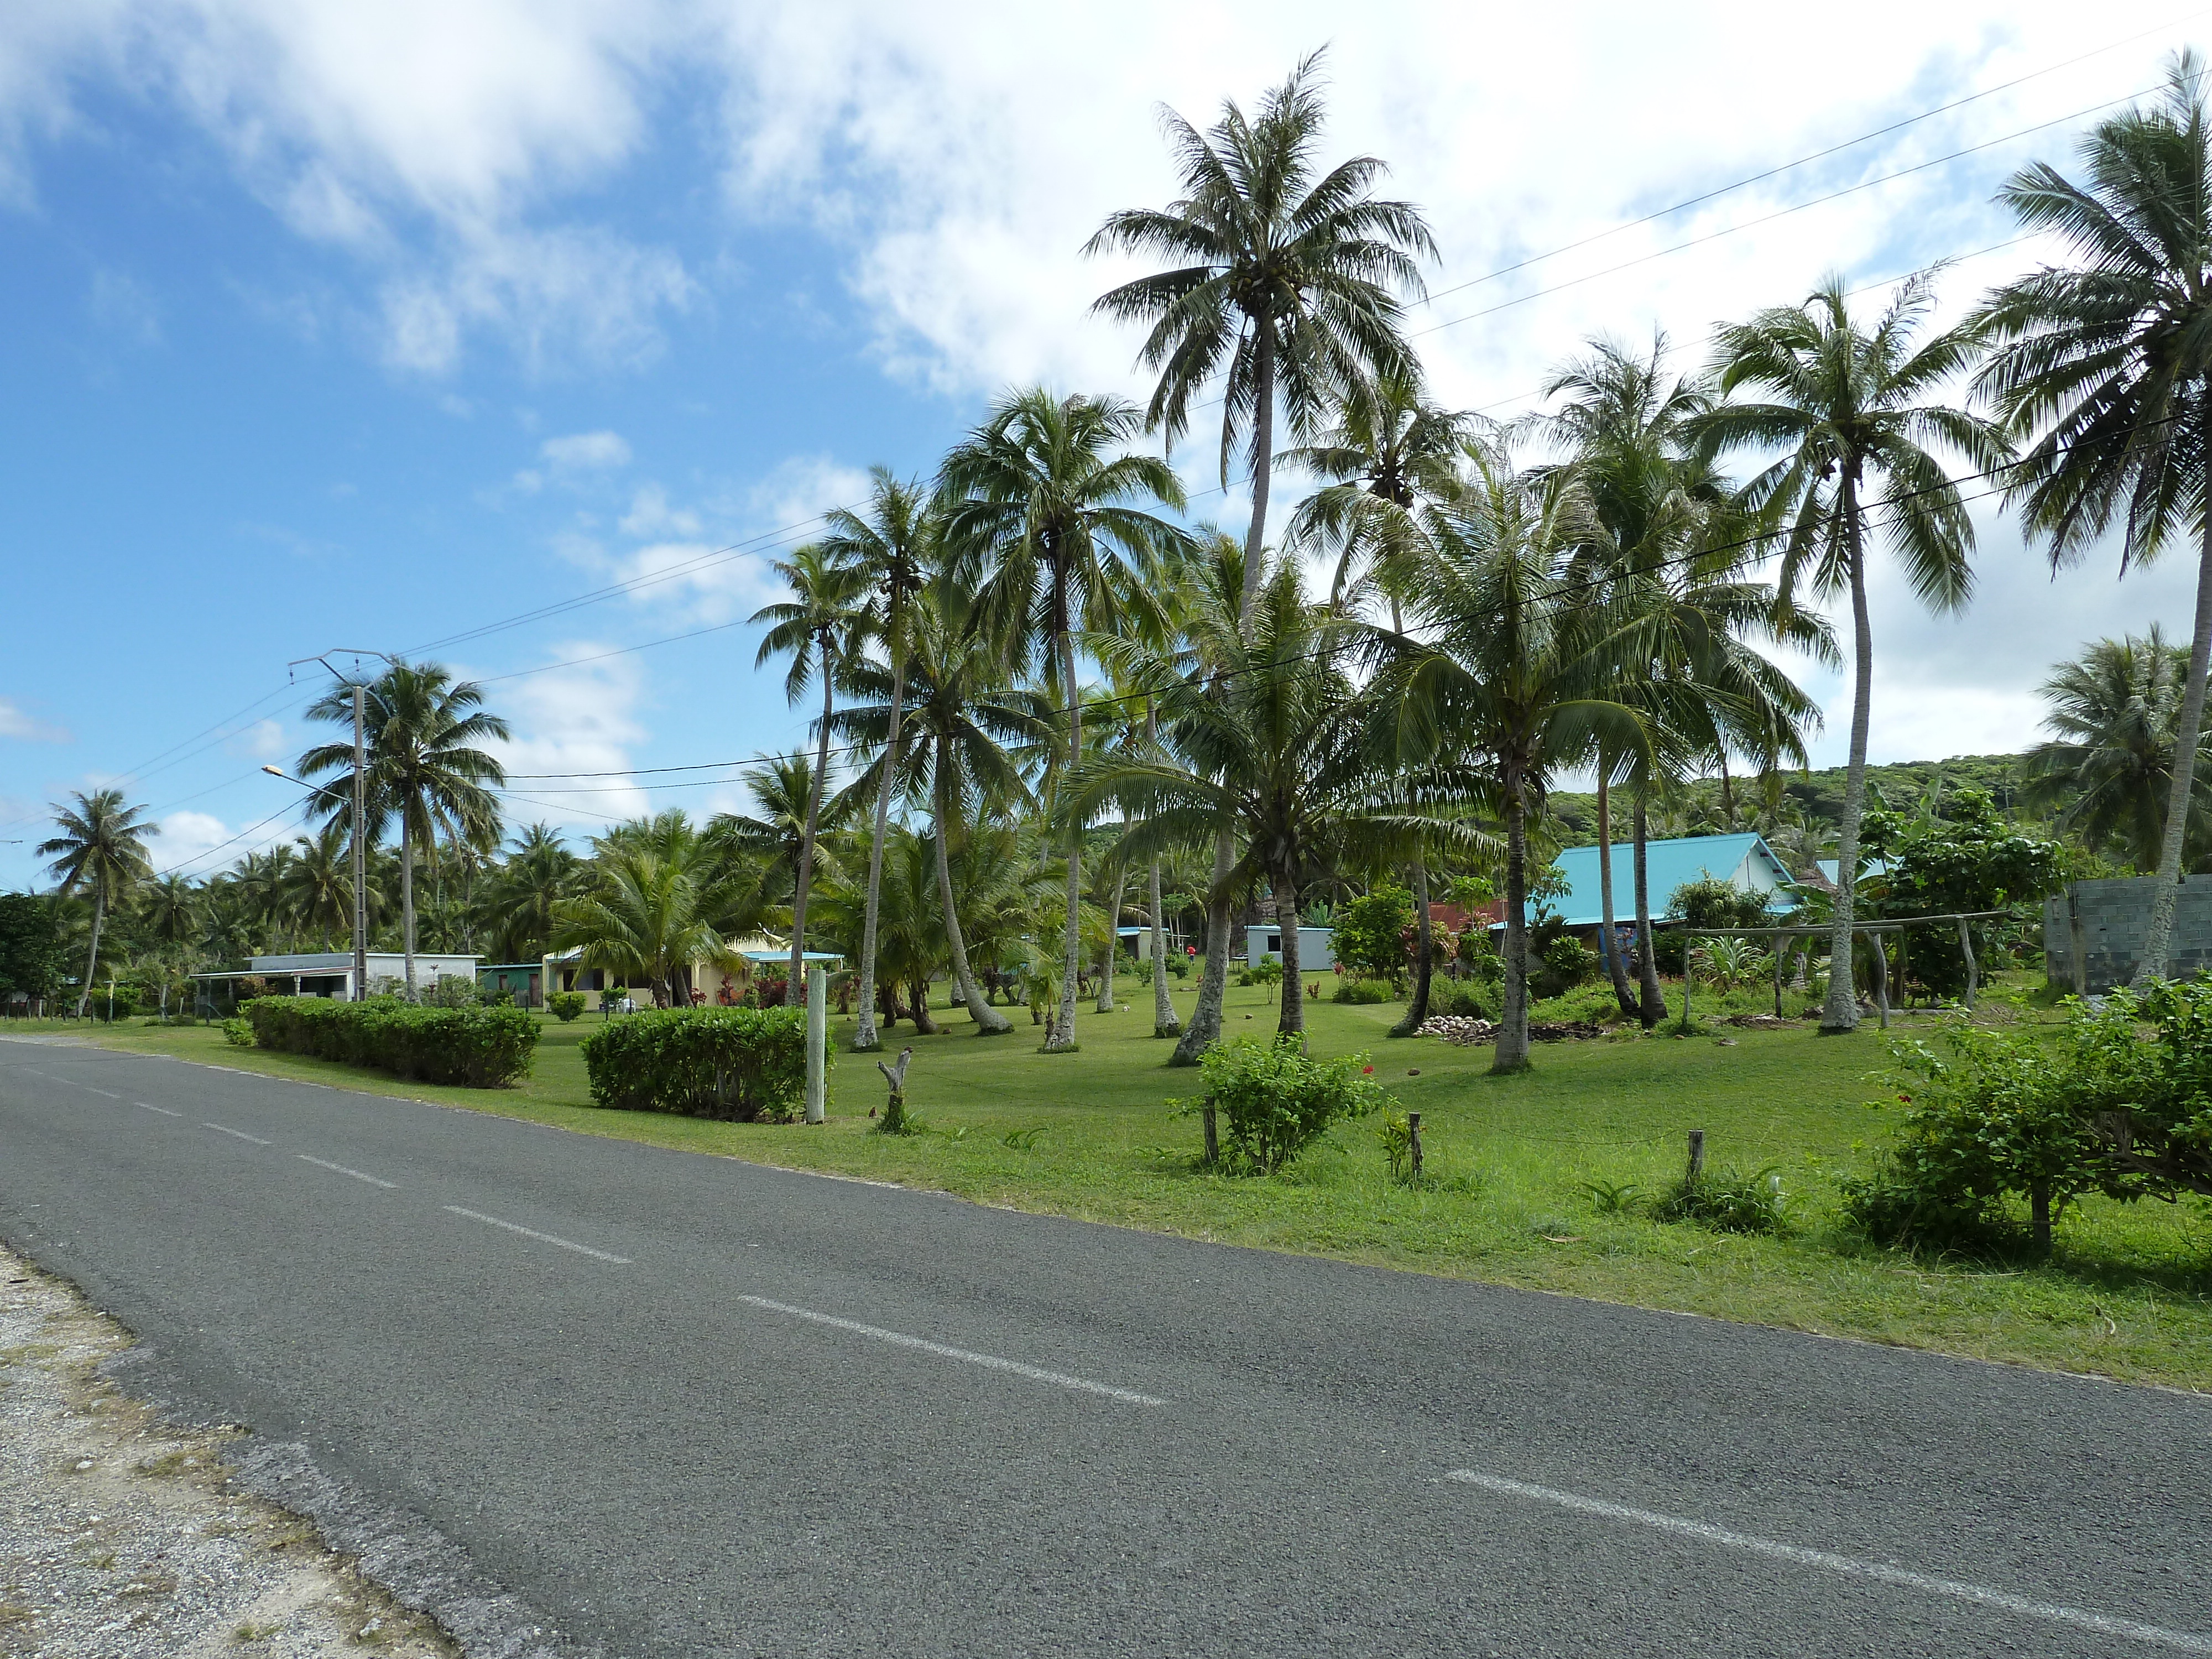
(1316, 946)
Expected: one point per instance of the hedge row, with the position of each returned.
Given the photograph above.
(478, 1048)
(743, 1064)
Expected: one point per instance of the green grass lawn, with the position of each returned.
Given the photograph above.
(2127, 1293)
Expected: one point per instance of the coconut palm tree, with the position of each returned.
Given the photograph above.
(819, 628)
(1852, 411)
(1286, 280)
(101, 850)
(964, 709)
(1273, 740)
(2109, 359)
(783, 792)
(423, 768)
(648, 916)
(1677, 543)
(1511, 665)
(1045, 513)
(538, 873)
(2108, 770)
(170, 908)
(315, 888)
(890, 549)
(1388, 451)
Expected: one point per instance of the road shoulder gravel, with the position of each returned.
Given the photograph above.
(125, 1536)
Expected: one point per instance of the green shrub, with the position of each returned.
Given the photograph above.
(1725, 1201)
(747, 1064)
(1363, 991)
(1370, 938)
(1708, 901)
(1397, 1132)
(452, 991)
(475, 1047)
(566, 1006)
(1465, 998)
(1144, 968)
(1995, 1116)
(1273, 1102)
(238, 1033)
(1565, 964)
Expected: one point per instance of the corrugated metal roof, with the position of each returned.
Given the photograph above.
(1667, 865)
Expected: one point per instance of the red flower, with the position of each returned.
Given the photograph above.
(1366, 1071)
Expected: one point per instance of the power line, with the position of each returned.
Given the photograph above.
(1805, 161)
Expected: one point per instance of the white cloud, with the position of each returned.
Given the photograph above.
(1966, 683)
(427, 139)
(650, 514)
(586, 450)
(263, 740)
(575, 720)
(186, 836)
(15, 722)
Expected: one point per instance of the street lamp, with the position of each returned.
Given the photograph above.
(360, 806)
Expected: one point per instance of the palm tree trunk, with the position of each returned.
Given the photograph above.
(1292, 1022)
(407, 898)
(1425, 954)
(1059, 1035)
(1263, 446)
(1113, 943)
(791, 989)
(2158, 940)
(1165, 1023)
(1512, 1052)
(989, 1022)
(1841, 1011)
(92, 961)
(1614, 965)
(1647, 953)
(1204, 1025)
(864, 1032)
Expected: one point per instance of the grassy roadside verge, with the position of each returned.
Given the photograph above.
(2127, 1295)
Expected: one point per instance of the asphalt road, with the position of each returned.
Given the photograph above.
(590, 1397)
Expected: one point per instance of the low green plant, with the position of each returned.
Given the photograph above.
(1612, 1197)
(452, 991)
(1726, 1201)
(896, 1120)
(1273, 1102)
(239, 1033)
(1466, 999)
(1363, 991)
(1565, 964)
(1397, 1136)
(566, 1006)
(747, 1064)
(1267, 971)
(1023, 1140)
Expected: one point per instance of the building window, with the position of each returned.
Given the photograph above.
(1275, 943)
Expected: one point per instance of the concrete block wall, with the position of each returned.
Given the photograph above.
(2113, 918)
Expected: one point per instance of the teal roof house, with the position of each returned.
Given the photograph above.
(1745, 862)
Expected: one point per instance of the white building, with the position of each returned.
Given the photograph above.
(330, 972)
(1316, 946)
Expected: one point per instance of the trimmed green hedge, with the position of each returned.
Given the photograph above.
(478, 1048)
(747, 1064)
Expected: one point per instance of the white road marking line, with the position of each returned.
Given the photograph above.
(163, 1110)
(110, 1093)
(991, 1362)
(1850, 1566)
(325, 1163)
(531, 1232)
(240, 1133)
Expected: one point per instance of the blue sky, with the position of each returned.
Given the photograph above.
(339, 325)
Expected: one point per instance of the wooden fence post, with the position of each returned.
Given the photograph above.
(1697, 1153)
(1966, 944)
(1414, 1139)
